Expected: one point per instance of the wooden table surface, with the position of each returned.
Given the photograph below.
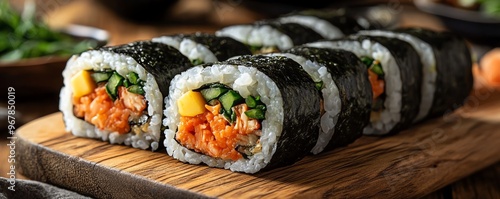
(212, 15)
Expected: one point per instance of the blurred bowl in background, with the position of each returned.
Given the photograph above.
(472, 25)
(139, 10)
(34, 77)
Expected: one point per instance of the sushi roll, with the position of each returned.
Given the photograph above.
(329, 24)
(203, 48)
(440, 68)
(395, 74)
(427, 58)
(345, 90)
(246, 114)
(453, 66)
(270, 35)
(116, 93)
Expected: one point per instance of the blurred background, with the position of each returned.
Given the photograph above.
(110, 22)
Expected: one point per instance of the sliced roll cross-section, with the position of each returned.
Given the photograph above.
(116, 93)
(244, 114)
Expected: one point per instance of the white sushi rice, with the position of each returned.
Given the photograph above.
(101, 60)
(257, 35)
(428, 60)
(391, 115)
(322, 27)
(247, 81)
(189, 48)
(331, 99)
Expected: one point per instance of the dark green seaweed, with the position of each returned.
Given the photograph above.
(454, 80)
(351, 77)
(345, 23)
(160, 60)
(222, 47)
(301, 106)
(298, 34)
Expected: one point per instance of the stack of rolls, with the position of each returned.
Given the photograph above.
(279, 34)
(264, 111)
(254, 97)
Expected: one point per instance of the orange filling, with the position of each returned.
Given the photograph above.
(99, 109)
(211, 134)
(377, 84)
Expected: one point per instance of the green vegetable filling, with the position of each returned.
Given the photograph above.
(114, 80)
(373, 65)
(319, 85)
(215, 93)
(197, 61)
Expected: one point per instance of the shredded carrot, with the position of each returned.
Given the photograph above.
(377, 84)
(99, 109)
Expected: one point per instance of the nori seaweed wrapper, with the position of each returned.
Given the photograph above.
(410, 69)
(222, 47)
(345, 23)
(301, 106)
(351, 77)
(160, 60)
(298, 34)
(454, 81)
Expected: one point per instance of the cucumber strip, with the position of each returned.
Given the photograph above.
(251, 102)
(133, 78)
(212, 93)
(136, 89)
(114, 82)
(255, 114)
(126, 83)
(100, 76)
(261, 107)
(229, 99)
(377, 69)
(367, 60)
(196, 62)
(319, 85)
(233, 116)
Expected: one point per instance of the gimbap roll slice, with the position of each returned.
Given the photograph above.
(453, 66)
(447, 77)
(116, 93)
(244, 114)
(395, 74)
(427, 58)
(203, 48)
(270, 35)
(345, 90)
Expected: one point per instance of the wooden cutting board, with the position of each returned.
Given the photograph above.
(411, 164)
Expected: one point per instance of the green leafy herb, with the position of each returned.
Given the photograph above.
(26, 37)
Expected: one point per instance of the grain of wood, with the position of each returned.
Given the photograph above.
(412, 164)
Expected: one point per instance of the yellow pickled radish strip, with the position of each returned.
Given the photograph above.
(82, 84)
(191, 104)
